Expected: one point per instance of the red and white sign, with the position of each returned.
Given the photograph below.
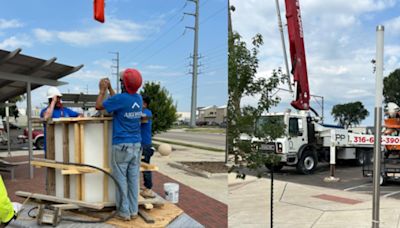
(370, 139)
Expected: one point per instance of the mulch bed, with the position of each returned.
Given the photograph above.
(212, 167)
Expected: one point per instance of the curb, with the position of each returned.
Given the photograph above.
(197, 172)
(189, 145)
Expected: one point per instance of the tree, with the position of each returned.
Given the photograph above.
(349, 114)
(161, 105)
(391, 87)
(13, 109)
(242, 81)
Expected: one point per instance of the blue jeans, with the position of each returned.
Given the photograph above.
(147, 153)
(125, 164)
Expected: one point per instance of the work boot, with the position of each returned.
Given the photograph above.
(135, 216)
(147, 193)
(123, 218)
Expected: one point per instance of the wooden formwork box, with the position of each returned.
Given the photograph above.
(86, 141)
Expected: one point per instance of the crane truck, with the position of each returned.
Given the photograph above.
(307, 139)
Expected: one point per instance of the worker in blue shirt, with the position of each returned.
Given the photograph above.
(126, 108)
(147, 149)
(55, 109)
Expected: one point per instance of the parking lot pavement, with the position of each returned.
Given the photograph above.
(351, 179)
(302, 205)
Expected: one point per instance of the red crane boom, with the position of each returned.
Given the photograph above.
(298, 55)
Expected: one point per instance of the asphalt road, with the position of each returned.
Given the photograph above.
(16, 144)
(351, 179)
(208, 139)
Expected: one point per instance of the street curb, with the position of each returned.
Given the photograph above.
(197, 172)
(189, 145)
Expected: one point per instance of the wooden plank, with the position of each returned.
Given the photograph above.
(79, 119)
(97, 206)
(147, 167)
(52, 164)
(105, 160)
(66, 159)
(162, 217)
(73, 172)
(77, 159)
(66, 206)
(147, 218)
(50, 154)
(147, 206)
(82, 152)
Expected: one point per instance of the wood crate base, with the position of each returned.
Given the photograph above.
(162, 216)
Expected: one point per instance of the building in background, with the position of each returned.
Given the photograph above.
(212, 115)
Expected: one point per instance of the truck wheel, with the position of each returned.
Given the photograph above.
(276, 168)
(39, 143)
(382, 180)
(360, 158)
(307, 163)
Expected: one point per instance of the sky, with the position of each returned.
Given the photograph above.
(149, 36)
(340, 42)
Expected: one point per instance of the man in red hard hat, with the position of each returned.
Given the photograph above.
(126, 140)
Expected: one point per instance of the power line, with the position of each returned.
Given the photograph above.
(212, 15)
(163, 34)
(161, 49)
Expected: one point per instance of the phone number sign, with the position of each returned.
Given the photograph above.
(370, 139)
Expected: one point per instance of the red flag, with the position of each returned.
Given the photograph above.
(99, 10)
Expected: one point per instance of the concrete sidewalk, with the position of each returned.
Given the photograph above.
(298, 206)
(215, 187)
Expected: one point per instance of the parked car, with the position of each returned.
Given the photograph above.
(37, 138)
(201, 123)
(12, 125)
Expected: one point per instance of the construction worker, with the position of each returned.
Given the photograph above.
(55, 109)
(8, 210)
(147, 149)
(126, 140)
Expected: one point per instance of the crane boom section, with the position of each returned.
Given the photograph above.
(298, 55)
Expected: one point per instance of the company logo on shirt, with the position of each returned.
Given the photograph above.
(135, 105)
(134, 115)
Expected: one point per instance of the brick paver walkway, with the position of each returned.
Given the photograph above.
(206, 210)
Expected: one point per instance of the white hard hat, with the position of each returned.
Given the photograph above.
(53, 91)
(392, 109)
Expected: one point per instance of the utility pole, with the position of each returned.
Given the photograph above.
(195, 63)
(278, 11)
(116, 66)
(230, 35)
(378, 124)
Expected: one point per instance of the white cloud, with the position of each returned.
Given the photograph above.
(393, 25)
(88, 75)
(104, 63)
(43, 35)
(6, 24)
(155, 67)
(339, 42)
(14, 42)
(115, 30)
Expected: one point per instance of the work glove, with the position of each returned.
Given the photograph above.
(17, 207)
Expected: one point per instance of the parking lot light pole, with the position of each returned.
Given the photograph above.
(378, 125)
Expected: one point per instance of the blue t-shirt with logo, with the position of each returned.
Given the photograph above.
(57, 113)
(146, 127)
(127, 113)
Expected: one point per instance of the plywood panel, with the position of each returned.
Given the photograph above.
(162, 216)
(73, 179)
(58, 148)
(85, 145)
(93, 155)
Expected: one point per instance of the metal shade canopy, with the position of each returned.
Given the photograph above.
(16, 70)
(20, 74)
